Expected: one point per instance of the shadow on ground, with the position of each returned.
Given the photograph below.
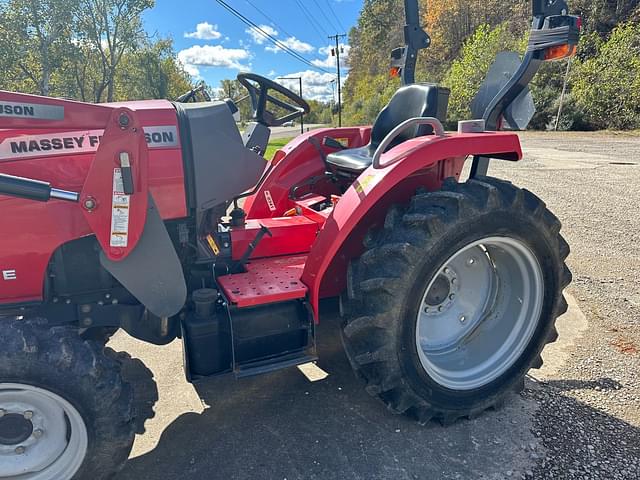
(281, 426)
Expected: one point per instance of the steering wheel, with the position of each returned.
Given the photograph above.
(259, 87)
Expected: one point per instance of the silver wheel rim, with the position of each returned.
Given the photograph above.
(479, 312)
(44, 435)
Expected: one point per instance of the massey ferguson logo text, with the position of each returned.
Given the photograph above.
(17, 110)
(36, 111)
(78, 142)
(61, 143)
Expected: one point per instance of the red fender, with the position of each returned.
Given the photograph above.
(425, 161)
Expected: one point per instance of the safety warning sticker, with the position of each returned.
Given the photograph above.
(119, 212)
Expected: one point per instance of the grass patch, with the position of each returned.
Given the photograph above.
(274, 145)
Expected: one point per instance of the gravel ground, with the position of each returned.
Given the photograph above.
(589, 413)
(578, 418)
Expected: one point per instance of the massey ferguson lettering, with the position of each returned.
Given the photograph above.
(56, 143)
(86, 141)
(17, 110)
(35, 111)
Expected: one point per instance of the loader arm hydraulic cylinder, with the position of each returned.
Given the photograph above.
(33, 189)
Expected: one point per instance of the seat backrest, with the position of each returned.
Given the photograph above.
(415, 100)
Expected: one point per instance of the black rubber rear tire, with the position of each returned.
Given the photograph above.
(58, 360)
(382, 300)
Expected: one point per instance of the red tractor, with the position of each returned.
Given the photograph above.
(161, 219)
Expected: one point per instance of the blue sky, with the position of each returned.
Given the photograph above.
(213, 44)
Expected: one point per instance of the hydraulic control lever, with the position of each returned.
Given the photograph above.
(33, 189)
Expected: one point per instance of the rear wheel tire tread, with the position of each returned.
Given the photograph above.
(415, 227)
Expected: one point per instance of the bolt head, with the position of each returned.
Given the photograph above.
(471, 261)
(447, 270)
(20, 450)
(452, 296)
(89, 204)
(28, 414)
(440, 308)
(38, 433)
(463, 319)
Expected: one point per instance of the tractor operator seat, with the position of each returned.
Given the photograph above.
(410, 101)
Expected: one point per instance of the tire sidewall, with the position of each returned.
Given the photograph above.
(59, 361)
(499, 223)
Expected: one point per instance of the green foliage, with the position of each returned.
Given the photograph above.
(89, 50)
(607, 86)
(469, 70)
(466, 36)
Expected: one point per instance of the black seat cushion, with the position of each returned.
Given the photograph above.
(410, 101)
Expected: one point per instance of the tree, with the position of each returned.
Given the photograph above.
(109, 29)
(151, 71)
(42, 33)
(607, 86)
(469, 70)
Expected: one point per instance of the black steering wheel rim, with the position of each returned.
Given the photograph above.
(260, 96)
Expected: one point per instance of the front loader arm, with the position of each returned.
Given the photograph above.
(114, 199)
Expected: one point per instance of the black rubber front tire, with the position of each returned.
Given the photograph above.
(386, 286)
(58, 360)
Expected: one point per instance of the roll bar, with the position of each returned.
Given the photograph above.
(551, 26)
(544, 34)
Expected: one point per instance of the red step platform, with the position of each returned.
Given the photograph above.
(267, 280)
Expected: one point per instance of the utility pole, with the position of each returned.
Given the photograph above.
(336, 52)
(300, 80)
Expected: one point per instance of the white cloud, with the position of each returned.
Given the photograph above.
(205, 31)
(213, 56)
(329, 60)
(294, 44)
(258, 37)
(315, 85)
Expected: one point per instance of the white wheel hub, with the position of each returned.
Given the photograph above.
(42, 436)
(479, 312)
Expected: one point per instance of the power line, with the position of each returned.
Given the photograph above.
(336, 16)
(269, 37)
(329, 21)
(312, 21)
(268, 18)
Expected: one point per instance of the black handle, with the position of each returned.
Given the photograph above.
(25, 188)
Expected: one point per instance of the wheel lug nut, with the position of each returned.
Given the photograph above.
(440, 308)
(28, 414)
(446, 270)
(452, 296)
(20, 450)
(3, 412)
(38, 433)
(454, 280)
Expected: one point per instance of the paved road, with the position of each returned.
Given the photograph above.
(287, 132)
(578, 418)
